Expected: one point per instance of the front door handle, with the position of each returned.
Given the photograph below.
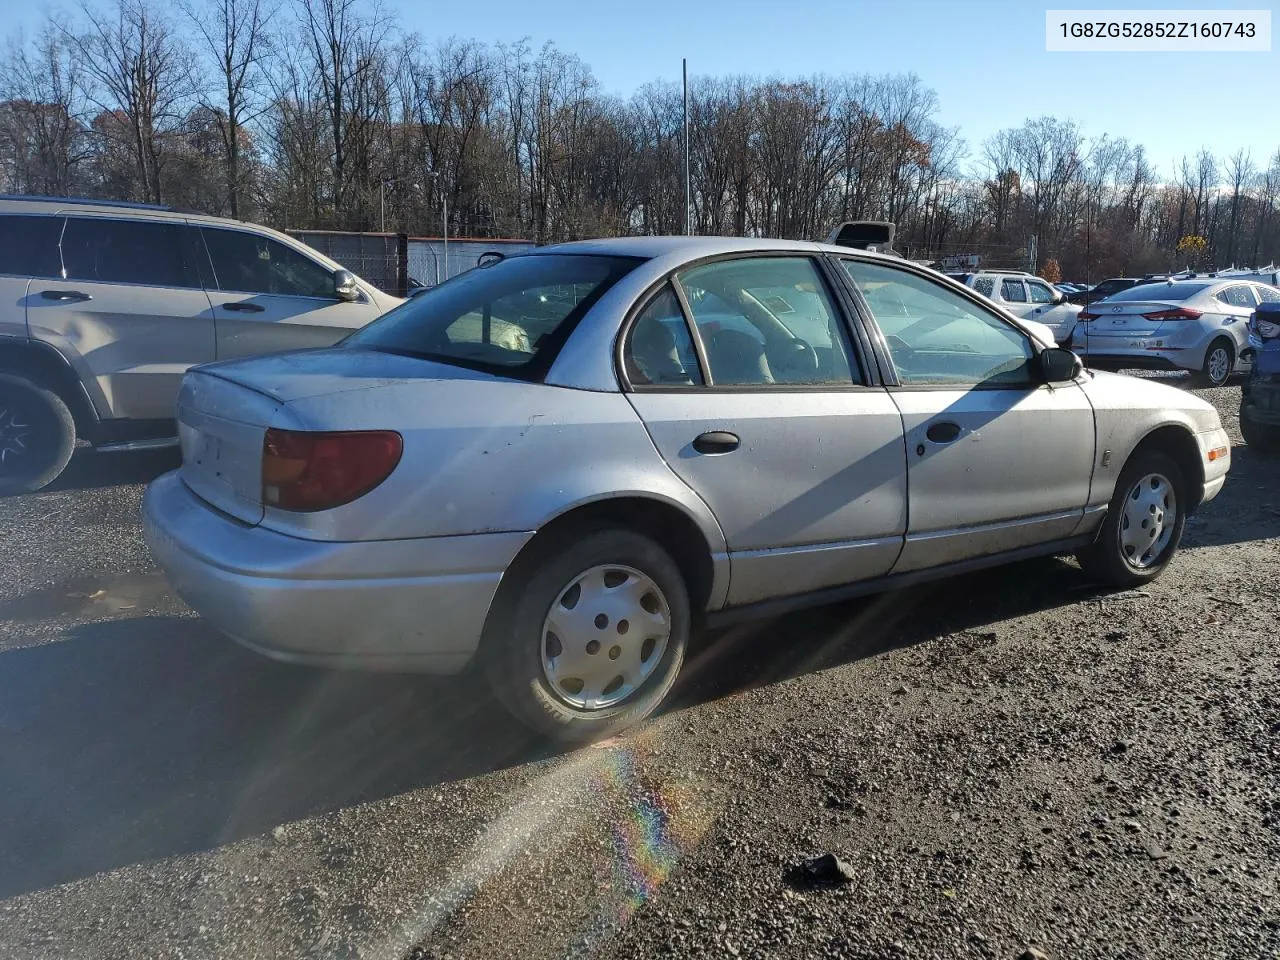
(716, 441)
(243, 307)
(66, 296)
(943, 432)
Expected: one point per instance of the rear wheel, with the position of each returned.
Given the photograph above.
(1219, 362)
(1144, 522)
(37, 435)
(1262, 437)
(590, 638)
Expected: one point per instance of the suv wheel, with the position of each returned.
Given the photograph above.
(37, 435)
(1219, 362)
(1144, 522)
(590, 641)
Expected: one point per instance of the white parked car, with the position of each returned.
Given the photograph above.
(1200, 325)
(104, 306)
(558, 465)
(1026, 295)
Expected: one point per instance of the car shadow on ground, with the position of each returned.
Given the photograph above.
(90, 469)
(140, 739)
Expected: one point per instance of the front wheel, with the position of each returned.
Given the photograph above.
(1144, 523)
(590, 639)
(1219, 362)
(37, 435)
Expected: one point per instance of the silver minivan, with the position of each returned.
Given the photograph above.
(104, 306)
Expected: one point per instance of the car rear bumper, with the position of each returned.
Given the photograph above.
(384, 605)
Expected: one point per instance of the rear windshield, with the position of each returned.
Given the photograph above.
(1159, 291)
(510, 317)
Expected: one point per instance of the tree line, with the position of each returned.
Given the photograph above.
(324, 114)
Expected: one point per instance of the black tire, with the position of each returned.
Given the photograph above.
(512, 650)
(1106, 559)
(1261, 437)
(37, 435)
(1206, 379)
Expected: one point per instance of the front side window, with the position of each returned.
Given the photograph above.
(511, 316)
(659, 350)
(29, 246)
(246, 262)
(985, 286)
(1012, 291)
(1040, 293)
(767, 320)
(938, 337)
(104, 250)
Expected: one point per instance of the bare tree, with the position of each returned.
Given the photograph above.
(139, 66)
(45, 140)
(236, 41)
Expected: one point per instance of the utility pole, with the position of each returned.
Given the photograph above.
(1031, 254)
(688, 193)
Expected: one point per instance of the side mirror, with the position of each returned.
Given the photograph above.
(490, 258)
(1059, 297)
(1059, 366)
(345, 286)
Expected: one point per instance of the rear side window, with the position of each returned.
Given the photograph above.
(660, 351)
(1012, 291)
(1267, 294)
(1237, 296)
(29, 246)
(985, 286)
(246, 262)
(154, 253)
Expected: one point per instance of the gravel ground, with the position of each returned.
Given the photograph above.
(1007, 763)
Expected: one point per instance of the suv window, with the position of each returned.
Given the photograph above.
(937, 337)
(29, 246)
(767, 320)
(985, 286)
(1012, 291)
(660, 350)
(151, 252)
(245, 262)
(1238, 296)
(1040, 292)
(1267, 294)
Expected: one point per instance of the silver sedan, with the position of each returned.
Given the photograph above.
(560, 463)
(1198, 325)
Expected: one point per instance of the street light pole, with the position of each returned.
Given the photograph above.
(382, 202)
(444, 196)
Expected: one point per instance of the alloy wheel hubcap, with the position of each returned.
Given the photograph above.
(15, 436)
(1148, 520)
(604, 636)
(1219, 363)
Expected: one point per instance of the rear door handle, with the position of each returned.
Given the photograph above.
(716, 441)
(243, 307)
(66, 296)
(943, 432)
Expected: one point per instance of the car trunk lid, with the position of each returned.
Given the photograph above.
(1128, 318)
(225, 410)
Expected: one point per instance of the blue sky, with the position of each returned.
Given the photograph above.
(985, 58)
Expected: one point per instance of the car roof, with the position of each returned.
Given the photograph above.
(68, 205)
(694, 248)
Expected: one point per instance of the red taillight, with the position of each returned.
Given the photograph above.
(1182, 313)
(307, 471)
(1085, 315)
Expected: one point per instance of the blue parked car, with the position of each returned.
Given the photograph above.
(1260, 400)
